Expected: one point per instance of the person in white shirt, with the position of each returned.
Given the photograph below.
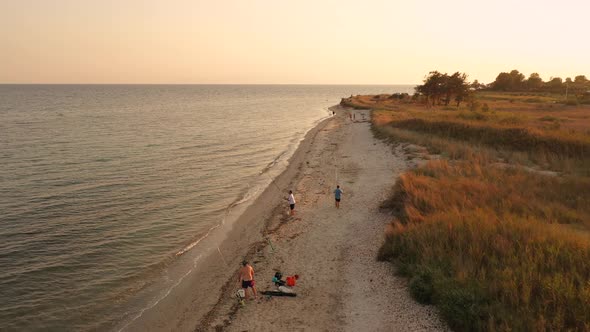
(291, 200)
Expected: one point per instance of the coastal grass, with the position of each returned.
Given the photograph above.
(488, 231)
(494, 108)
(507, 136)
(489, 248)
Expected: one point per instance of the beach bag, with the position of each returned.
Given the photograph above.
(290, 281)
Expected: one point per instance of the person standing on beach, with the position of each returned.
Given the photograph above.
(246, 277)
(291, 200)
(338, 196)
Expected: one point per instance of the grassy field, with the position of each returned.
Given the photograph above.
(554, 137)
(495, 229)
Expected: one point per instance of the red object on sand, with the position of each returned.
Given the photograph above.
(290, 281)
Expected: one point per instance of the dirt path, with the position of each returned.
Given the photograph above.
(341, 286)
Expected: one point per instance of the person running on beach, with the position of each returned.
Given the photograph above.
(247, 279)
(338, 196)
(291, 200)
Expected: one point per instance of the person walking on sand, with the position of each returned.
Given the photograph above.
(291, 200)
(338, 196)
(246, 277)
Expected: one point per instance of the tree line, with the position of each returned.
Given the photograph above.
(514, 81)
(442, 89)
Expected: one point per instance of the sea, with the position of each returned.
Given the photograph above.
(104, 187)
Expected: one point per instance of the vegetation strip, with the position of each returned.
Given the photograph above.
(494, 248)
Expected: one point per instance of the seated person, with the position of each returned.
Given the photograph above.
(277, 279)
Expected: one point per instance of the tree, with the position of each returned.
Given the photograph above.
(580, 86)
(516, 80)
(513, 81)
(432, 87)
(555, 84)
(581, 79)
(437, 85)
(502, 82)
(534, 82)
(458, 86)
(477, 86)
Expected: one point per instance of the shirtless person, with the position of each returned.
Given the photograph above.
(246, 276)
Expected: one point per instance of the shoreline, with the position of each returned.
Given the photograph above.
(287, 178)
(330, 249)
(186, 306)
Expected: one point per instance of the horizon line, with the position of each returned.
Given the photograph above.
(384, 84)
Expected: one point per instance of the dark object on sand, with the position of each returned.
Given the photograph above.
(277, 279)
(277, 293)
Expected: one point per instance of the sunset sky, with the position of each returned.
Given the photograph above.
(300, 42)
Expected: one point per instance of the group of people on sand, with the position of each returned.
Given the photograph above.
(246, 273)
(337, 196)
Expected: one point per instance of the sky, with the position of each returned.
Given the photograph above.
(288, 42)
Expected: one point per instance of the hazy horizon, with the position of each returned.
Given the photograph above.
(336, 84)
(265, 42)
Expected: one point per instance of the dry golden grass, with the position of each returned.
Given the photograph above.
(532, 114)
(522, 137)
(494, 247)
(487, 247)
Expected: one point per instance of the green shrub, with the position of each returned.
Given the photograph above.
(421, 287)
(464, 308)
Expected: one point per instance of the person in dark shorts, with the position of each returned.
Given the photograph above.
(338, 196)
(291, 200)
(247, 279)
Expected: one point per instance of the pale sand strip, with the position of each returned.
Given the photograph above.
(342, 286)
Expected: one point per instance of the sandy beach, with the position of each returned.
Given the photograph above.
(341, 285)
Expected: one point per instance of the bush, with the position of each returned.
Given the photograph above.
(463, 309)
(485, 107)
(400, 96)
(421, 287)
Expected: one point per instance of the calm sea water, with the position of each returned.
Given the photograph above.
(101, 186)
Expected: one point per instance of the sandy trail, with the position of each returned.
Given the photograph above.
(341, 286)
